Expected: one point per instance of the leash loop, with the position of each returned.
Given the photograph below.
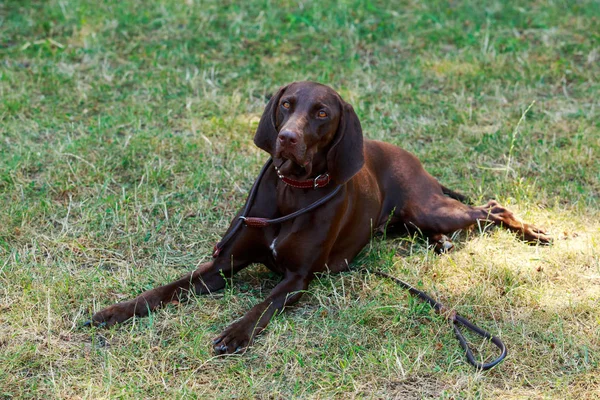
(456, 320)
(460, 320)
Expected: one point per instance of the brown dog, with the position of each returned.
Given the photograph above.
(310, 132)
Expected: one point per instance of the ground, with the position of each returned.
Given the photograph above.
(126, 148)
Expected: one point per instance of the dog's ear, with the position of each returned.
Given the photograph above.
(346, 156)
(266, 134)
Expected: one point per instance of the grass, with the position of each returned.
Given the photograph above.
(126, 147)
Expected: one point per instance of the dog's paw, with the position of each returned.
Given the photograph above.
(114, 314)
(235, 339)
(535, 235)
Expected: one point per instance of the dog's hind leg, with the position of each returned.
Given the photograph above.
(443, 215)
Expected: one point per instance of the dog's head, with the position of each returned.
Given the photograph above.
(307, 126)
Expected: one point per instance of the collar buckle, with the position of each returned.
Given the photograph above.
(316, 183)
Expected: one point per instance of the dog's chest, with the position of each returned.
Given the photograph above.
(281, 244)
(273, 248)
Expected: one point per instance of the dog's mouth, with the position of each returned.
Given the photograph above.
(293, 166)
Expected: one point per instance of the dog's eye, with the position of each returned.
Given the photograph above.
(286, 105)
(322, 114)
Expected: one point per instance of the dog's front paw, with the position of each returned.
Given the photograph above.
(114, 314)
(235, 339)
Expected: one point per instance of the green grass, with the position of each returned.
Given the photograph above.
(126, 148)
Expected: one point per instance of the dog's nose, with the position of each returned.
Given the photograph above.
(287, 138)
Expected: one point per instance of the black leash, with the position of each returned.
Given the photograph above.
(219, 246)
(262, 222)
(451, 315)
(457, 320)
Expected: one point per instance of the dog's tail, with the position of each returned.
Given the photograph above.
(455, 195)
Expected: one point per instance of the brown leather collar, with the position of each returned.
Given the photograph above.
(318, 182)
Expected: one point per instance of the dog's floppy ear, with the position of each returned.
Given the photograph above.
(266, 134)
(346, 156)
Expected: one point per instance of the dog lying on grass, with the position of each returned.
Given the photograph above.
(316, 143)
